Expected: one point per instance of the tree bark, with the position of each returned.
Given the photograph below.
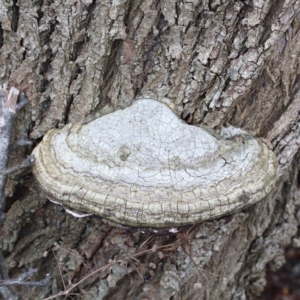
(219, 63)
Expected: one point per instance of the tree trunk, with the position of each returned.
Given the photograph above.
(219, 63)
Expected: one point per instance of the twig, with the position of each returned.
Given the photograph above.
(9, 106)
(8, 294)
(62, 278)
(22, 102)
(20, 281)
(23, 141)
(25, 164)
(153, 249)
(67, 292)
(8, 109)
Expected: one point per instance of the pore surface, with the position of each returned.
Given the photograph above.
(142, 166)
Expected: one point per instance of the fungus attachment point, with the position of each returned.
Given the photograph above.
(143, 167)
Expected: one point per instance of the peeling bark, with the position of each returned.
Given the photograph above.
(219, 63)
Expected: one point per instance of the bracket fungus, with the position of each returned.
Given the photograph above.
(144, 167)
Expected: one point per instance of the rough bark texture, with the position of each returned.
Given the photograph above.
(218, 62)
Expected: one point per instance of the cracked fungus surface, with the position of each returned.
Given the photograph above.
(143, 167)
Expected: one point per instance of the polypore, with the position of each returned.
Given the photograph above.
(144, 167)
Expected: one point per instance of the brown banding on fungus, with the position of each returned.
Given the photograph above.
(144, 167)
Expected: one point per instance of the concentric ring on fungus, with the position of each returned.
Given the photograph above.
(144, 167)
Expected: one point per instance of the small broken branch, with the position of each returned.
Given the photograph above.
(22, 102)
(9, 105)
(25, 164)
(23, 141)
(21, 280)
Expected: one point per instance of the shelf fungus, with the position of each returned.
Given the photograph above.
(144, 167)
